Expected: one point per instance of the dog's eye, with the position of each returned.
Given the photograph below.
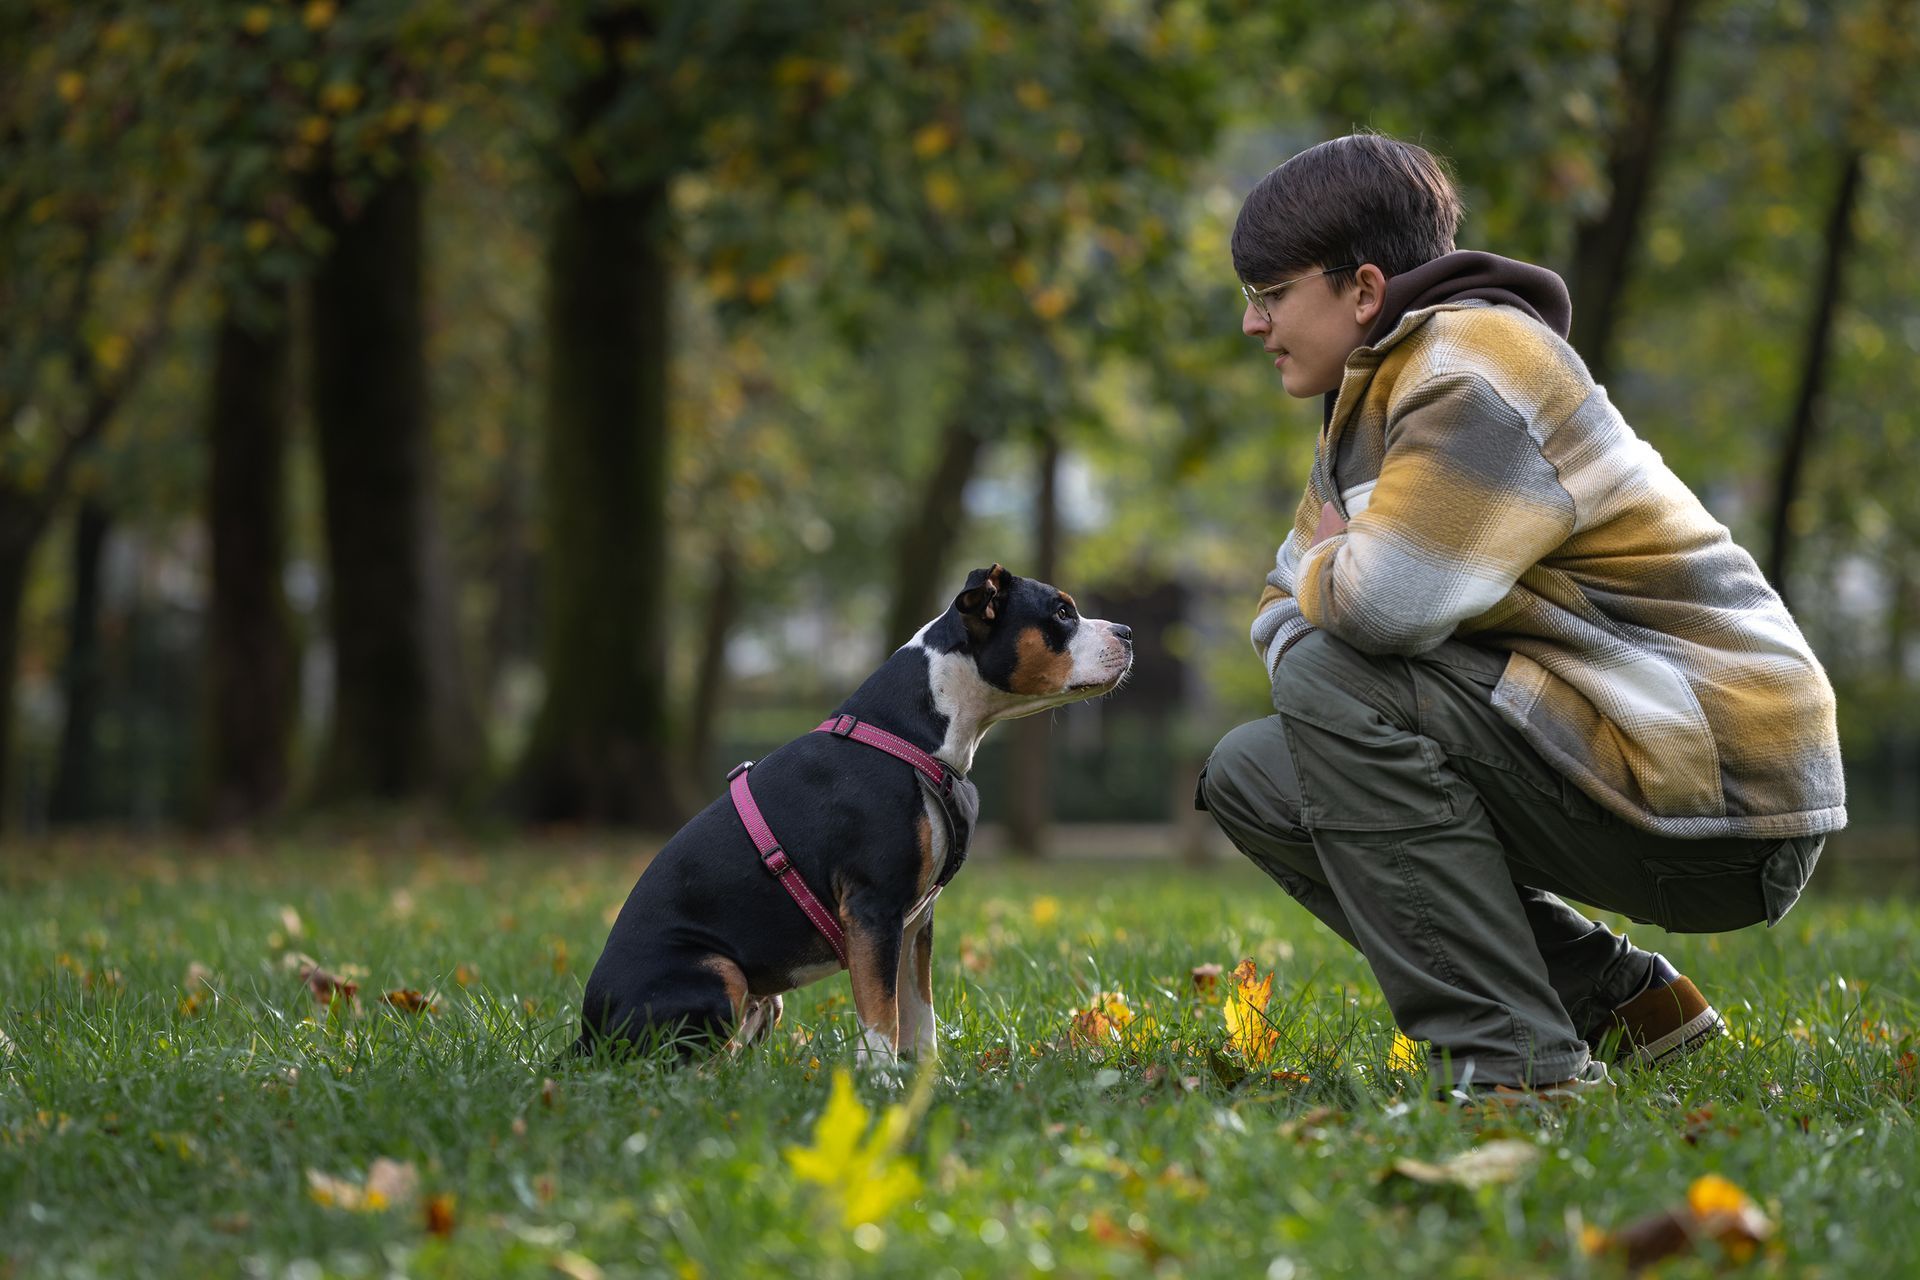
(1064, 612)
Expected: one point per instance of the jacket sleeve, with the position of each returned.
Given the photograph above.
(1465, 504)
(1279, 623)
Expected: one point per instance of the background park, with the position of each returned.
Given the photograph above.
(437, 439)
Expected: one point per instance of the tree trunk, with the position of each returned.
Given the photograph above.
(72, 798)
(601, 747)
(1813, 368)
(251, 656)
(22, 519)
(1030, 790)
(1603, 248)
(723, 606)
(397, 724)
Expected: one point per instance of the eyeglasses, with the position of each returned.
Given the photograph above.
(1261, 300)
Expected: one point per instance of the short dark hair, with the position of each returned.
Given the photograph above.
(1362, 198)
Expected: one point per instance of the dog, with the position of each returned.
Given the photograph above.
(828, 853)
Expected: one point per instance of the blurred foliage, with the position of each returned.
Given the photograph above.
(862, 195)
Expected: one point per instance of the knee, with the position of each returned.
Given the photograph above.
(1242, 753)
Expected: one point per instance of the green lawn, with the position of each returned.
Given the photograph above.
(153, 1124)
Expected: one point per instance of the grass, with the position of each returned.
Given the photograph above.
(144, 1132)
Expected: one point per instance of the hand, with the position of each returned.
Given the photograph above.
(1330, 524)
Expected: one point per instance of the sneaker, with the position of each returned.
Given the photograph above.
(1667, 1019)
(1591, 1079)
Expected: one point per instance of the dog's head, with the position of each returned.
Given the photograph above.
(1027, 646)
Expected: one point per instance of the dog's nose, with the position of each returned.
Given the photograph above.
(1125, 633)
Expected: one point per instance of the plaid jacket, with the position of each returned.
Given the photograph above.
(1493, 493)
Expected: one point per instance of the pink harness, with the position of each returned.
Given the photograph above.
(775, 859)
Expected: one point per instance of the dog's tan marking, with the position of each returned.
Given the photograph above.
(732, 976)
(1070, 600)
(924, 829)
(1038, 670)
(923, 963)
(874, 979)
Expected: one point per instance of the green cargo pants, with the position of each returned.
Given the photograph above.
(1391, 800)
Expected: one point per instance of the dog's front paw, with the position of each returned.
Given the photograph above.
(876, 1057)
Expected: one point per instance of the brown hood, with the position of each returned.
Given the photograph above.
(1470, 274)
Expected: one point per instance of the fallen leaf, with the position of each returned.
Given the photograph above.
(1312, 1124)
(1492, 1163)
(439, 1214)
(1206, 982)
(1406, 1055)
(575, 1266)
(464, 975)
(389, 1184)
(407, 1000)
(1249, 1032)
(1100, 1023)
(1715, 1210)
(325, 986)
(549, 1094)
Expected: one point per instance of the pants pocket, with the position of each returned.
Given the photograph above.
(1785, 874)
(1709, 896)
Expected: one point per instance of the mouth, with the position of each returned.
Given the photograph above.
(1279, 357)
(1116, 672)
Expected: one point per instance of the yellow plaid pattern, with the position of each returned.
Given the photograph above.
(1494, 493)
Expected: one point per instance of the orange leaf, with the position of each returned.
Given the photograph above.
(439, 1210)
(407, 1000)
(325, 986)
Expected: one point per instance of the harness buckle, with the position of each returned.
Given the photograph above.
(739, 769)
(843, 726)
(775, 861)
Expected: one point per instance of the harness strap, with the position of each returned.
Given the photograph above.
(775, 860)
(897, 747)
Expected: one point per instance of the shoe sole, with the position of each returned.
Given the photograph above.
(1690, 1035)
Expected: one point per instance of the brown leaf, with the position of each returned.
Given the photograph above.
(1715, 1210)
(407, 1000)
(325, 986)
(439, 1212)
(1206, 981)
(549, 1094)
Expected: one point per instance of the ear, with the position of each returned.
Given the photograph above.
(1371, 294)
(978, 603)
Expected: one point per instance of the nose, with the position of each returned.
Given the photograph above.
(1252, 323)
(1125, 633)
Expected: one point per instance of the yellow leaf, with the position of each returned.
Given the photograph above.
(1050, 302)
(340, 97)
(1032, 95)
(320, 14)
(256, 20)
(931, 140)
(1714, 1194)
(1248, 1030)
(943, 193)
(1406, 1055)
(314, 130)
(259, 234)
(70, 85)
(111, 352)
(1045, 910)
(857, 1169)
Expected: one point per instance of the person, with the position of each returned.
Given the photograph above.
(1513, 658)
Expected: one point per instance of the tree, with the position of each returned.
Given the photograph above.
(101, 224)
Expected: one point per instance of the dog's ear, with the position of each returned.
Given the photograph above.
(978, 603)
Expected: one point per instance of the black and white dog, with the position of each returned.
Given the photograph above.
(709, 939)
